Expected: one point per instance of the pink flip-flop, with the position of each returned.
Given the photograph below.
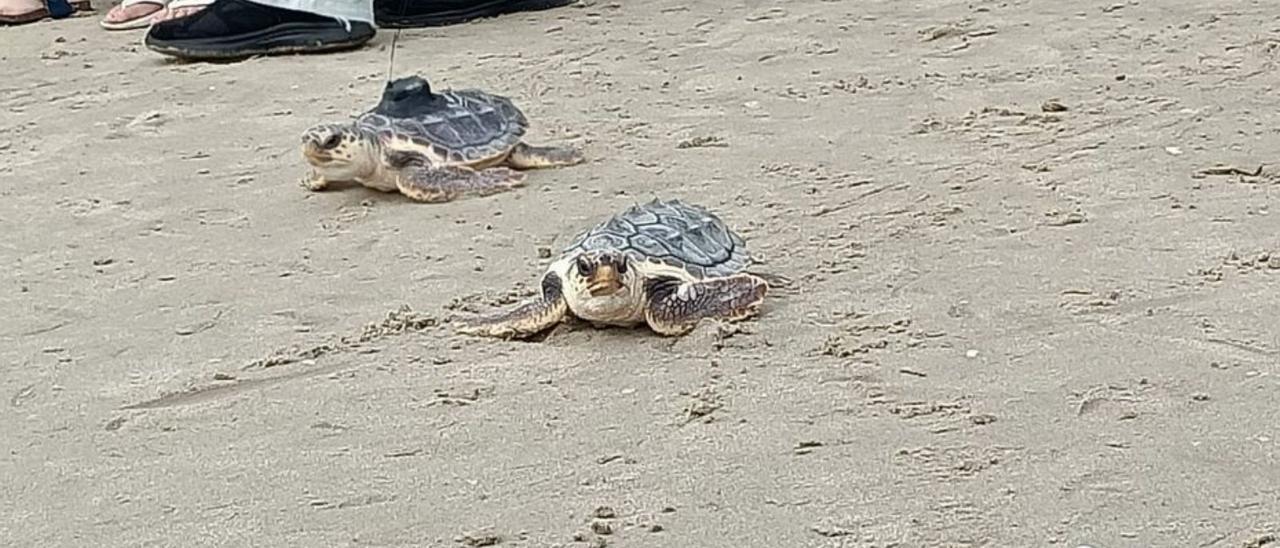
(164, 14)
(140, 22)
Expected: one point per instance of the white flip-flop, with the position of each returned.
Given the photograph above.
(137, 22)
(177, 4)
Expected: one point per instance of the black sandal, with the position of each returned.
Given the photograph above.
(236, 29)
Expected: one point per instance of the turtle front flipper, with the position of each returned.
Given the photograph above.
(527, 319)
(674, 307)
(525, 156)
(443, 184)
(315, 182)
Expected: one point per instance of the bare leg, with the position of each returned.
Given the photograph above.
(525, 156)
(442, 184)
(675, 307)
(527, 319)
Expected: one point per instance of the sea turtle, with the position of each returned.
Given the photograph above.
(667, 264)
(431, 147)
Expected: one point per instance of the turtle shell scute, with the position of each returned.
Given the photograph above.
(672, 232)
(467, 125)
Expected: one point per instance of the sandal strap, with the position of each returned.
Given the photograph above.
(130, 3)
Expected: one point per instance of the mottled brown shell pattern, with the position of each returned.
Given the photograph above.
(467, 127)
(673, 233)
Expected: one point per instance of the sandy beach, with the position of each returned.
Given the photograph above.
(1034, 295)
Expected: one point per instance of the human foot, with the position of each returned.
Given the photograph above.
(236, 29)
(180, 8)
(16, 12)
(132, 14)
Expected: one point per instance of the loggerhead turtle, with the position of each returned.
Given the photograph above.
(431, 147)
(667, 264)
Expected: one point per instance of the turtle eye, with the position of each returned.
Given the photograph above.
(621, 264)
(332, 141)
(584, 266)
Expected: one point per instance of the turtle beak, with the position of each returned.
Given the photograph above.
(604, 281)
(312, 152)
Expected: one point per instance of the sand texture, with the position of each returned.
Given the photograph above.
(1034, 295)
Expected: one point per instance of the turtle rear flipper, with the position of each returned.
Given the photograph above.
(675, 307)
(527, 319)
(525, 156)
(442, 184)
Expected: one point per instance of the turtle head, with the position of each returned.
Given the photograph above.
(338, 151)
(604, 273)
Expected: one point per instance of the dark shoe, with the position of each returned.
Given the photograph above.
(235, 29)
(402, 14)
